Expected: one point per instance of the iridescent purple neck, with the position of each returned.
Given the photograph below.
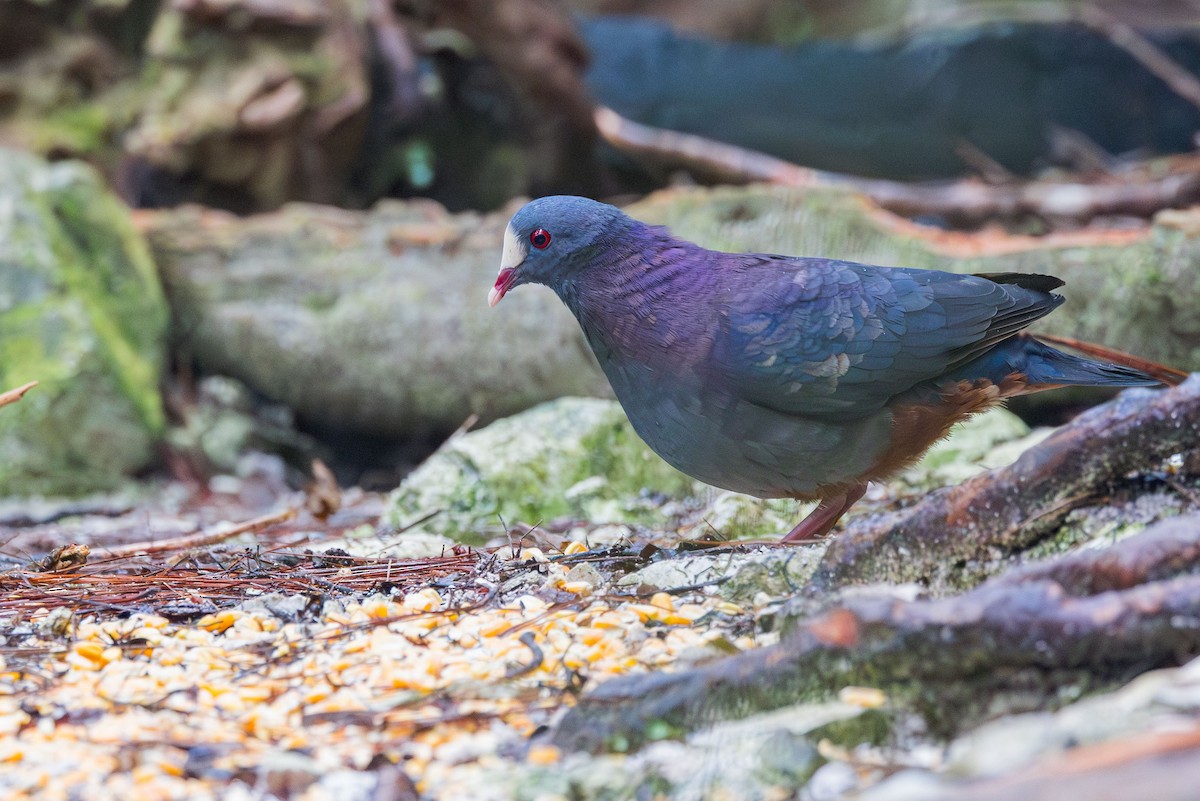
(646, 298)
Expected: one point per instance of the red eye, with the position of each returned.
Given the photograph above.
(540, 238)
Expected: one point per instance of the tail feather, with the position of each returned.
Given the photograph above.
(1044, 367)
(1160, 372)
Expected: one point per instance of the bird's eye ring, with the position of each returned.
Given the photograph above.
(540, 238)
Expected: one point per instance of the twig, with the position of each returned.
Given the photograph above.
(23, 590)
(218, 534)
(706, 155)
(1145, 52)
(14, 395)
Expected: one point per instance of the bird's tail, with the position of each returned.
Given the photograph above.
(1160, 372)
(1043, 367)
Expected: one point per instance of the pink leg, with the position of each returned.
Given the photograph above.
(822, 519)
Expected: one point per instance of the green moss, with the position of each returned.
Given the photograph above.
(80, 129)
(81, 311)
(574, 457)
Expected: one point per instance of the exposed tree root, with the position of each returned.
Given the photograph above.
(1026, 635)
(1005, 510)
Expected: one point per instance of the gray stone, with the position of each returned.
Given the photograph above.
(374, 321)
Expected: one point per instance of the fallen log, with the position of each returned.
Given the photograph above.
(963, 203)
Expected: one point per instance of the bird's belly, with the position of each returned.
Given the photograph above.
(736, 445)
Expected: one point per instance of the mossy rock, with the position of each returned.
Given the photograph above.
(570, 458)
(81, 311)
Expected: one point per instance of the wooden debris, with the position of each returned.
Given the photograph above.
(14, 395)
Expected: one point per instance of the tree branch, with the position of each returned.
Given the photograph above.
(964, 203)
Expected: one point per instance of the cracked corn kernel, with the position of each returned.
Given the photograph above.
(219, 622)
(533, 555)
(865, 697)
(647, 612)
(342, 693)
(544, 755)
(530, 604)
(426, 600)
(574, 548)
(91, 651)
(380, 608)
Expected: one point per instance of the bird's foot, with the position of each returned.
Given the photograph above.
(822, 519)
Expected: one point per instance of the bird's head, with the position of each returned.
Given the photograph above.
(550, 239)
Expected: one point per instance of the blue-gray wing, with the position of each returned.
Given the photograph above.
(820, 337)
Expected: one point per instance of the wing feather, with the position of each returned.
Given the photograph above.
(820, 337)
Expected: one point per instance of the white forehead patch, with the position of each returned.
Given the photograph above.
(515, 250)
